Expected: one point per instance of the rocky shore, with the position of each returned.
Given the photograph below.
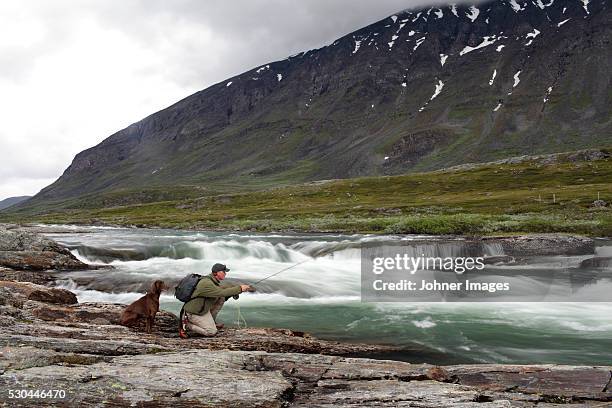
(49, 341)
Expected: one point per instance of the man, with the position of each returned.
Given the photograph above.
(208, 298)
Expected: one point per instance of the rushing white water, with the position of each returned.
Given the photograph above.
(322, 294)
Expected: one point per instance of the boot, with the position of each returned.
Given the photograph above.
(183, 328)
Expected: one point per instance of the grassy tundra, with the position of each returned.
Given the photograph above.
(530, 196)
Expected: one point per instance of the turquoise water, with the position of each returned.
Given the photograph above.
(322, 295)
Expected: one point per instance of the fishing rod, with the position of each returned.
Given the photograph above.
(282, 270)
(240, 320)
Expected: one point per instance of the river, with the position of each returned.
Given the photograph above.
(321, 295)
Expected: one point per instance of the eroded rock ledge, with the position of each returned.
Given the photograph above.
(50, 318)
(47, 341)
(24, 250)
(259, 379)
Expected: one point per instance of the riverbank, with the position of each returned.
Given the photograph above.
(50, 342)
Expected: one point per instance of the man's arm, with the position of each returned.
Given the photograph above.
(208, 289)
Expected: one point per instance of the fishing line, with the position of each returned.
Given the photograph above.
(240, 320)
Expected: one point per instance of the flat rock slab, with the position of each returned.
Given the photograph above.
(30, 291)
(561, 382)
(37, 277)
(187, 379)
(19, 358)
(259, 379)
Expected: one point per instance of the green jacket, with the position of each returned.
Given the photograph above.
(211, 288)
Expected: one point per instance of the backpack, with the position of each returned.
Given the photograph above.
(186, 287)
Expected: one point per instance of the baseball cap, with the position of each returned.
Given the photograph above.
(220, 267)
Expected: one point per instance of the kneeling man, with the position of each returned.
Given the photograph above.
(208, 298)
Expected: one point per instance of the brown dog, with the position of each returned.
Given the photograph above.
(144, 308)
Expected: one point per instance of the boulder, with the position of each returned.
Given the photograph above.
(30, 291)
(24, 250)
(599, 204)
(39, 260)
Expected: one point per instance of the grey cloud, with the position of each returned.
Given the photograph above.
(252, 32)
(195, 43)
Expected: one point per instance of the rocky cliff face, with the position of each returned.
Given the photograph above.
(422, 89)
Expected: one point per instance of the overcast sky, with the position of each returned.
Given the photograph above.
(74, 72)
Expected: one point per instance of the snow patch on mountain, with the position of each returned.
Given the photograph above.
(473, 13)
(516, 7)
(453, 8)
(585, 5)
(547, 95)
(393, 38)
(418, 42)
(532, 35)
(542, 5)
(443, 58)
(438, 89)
(487, 40)
(517, 80)
(493, 77)
(563, 22)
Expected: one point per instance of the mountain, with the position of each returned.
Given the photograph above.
(419, 90)
(7, 202)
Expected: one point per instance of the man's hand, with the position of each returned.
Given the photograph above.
(246, 288)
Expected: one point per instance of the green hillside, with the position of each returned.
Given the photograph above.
(547, 194)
